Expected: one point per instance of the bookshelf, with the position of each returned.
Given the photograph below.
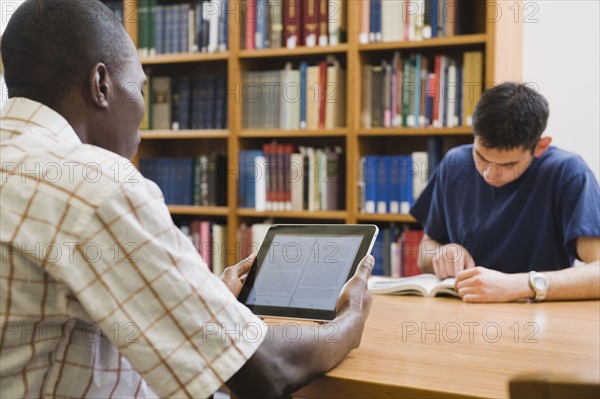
(498, 37)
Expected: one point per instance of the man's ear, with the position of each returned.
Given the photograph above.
(99, 86)
(542, 146)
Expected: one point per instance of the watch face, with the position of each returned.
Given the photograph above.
(540, 283)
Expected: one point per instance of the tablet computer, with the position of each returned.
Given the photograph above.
(300, 270)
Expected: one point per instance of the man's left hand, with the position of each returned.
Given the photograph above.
(234, 276)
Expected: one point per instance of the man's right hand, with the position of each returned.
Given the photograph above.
(451, 259)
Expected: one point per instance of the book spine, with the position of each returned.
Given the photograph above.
(292, 23)
(250, 21)
(223, 42)
(310, 17)
(260, 35)
(371, 168)
(323, 23)
(274, 20)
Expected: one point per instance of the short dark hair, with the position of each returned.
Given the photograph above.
(510, 115)
(51, 45)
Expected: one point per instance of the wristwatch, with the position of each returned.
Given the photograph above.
(539, 285)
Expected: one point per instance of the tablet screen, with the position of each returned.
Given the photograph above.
(300, 271)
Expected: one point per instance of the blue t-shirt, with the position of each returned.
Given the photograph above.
(528, 224)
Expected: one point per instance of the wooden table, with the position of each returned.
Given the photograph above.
(417, 347)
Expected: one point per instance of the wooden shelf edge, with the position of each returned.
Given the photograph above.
(298, 51)
(183, 57)
(407, 131)
(460, 40)
(341, 215)
(373, 217)
(258, 133)
(198, 210)
(183, 134)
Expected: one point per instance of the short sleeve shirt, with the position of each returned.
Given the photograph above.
(101, 294)
(528, 224)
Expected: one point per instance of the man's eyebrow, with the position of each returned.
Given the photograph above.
(496, 163)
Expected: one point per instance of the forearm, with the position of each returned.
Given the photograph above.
(293, 354)
(580, 282)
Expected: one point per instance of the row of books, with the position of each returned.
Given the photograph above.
(182, 27)
(189, 181)
(292, 23)
(184, 102)
(420, 91)
(389, 184)
(209, 239)
(404, 20)
(396, 251)
(311, 97)
(282, 178)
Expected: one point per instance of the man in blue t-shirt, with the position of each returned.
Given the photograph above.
(500, 211)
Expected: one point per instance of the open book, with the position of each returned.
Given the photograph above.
(423, 284)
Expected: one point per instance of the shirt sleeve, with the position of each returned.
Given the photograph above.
(134, 271)
(579, 209)
(429, 210)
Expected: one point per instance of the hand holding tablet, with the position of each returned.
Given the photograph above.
(301, 269)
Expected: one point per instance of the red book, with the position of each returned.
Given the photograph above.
(206, 243)
(323, 22)
(322, 93)
(292, 23)
(250, 24)
(310, 18)
(410, 252)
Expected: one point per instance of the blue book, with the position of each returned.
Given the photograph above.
(434, 17)
(383, 164)
(220, 103)
(242, 187)
(199, 20)
(183, 28)
(406, 184)
(394, 171)
(210, 101)
(159, 29)
(181, 102)
(377, 253)
(372, 21)
(370, 174)
(303, 89)
(255, 172)
(261, 24)
(223, 26)
(187, 181)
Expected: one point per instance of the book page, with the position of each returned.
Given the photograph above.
(304, 272)
(423, 284)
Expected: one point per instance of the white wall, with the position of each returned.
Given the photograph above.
(561, 53)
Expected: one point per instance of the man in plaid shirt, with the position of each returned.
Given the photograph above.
(101, 295)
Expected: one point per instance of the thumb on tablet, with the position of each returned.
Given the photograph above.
(365, 267)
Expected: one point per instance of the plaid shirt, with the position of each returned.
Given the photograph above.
(101, 295)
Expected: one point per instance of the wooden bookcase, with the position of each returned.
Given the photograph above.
(500, 41)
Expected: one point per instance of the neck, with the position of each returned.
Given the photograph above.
(75, 115)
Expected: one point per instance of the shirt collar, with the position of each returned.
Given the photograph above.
(25, 112)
